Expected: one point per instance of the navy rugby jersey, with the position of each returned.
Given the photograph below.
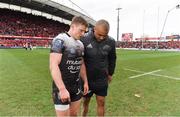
(99, 57)
(72, 53)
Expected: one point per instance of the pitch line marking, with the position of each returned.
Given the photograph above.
(145, 73)
(170, 77)
(134, 70)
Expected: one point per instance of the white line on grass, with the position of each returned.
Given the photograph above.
(134, 70)
(145, 74)
(170, 77)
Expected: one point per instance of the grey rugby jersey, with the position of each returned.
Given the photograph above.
(72, 53)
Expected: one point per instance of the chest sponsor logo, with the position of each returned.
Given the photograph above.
(73, 65)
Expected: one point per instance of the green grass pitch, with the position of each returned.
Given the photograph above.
(145, 83)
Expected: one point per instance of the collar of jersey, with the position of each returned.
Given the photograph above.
(68, 34)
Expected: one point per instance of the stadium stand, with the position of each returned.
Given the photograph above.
(150, 44)
(18, 28)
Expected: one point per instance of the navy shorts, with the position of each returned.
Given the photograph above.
(75, 95)
(97, 87)
(59, 105)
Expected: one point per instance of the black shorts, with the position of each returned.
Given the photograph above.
(97, 87)
(57, 100)
(59, 105)
(75, 92)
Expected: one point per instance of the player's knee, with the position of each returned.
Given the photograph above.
(85, 104)
(101, 102)
(86, 107)
(85, 111)
(73, 113)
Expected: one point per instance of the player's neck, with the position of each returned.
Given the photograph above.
(71, 34)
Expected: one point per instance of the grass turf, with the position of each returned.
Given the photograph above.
(25, 84)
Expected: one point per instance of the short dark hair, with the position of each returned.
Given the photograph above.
(103, 23)
(79, 20)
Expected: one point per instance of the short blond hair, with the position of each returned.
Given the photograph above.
(79, 20)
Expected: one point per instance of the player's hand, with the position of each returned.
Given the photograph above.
(64, 95)
(109, 79)
(86, 88)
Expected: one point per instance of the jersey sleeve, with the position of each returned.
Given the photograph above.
(112, 59)
(57, 46)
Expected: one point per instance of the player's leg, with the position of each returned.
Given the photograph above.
(101, 93)
(100, 105)
(86, 101)
(60, 113)
(75, 101)
(62, 109)
(74, 107)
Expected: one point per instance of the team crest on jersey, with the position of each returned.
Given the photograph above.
(72, 50)
(58, 43)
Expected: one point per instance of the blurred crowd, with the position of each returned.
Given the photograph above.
(15, 23)
(19, 43)
(150, 44)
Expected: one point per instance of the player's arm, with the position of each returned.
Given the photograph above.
(55, 59)
(112, 61)
(84, 77)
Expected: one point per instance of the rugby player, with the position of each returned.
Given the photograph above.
(66, 67)
(100, 60)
